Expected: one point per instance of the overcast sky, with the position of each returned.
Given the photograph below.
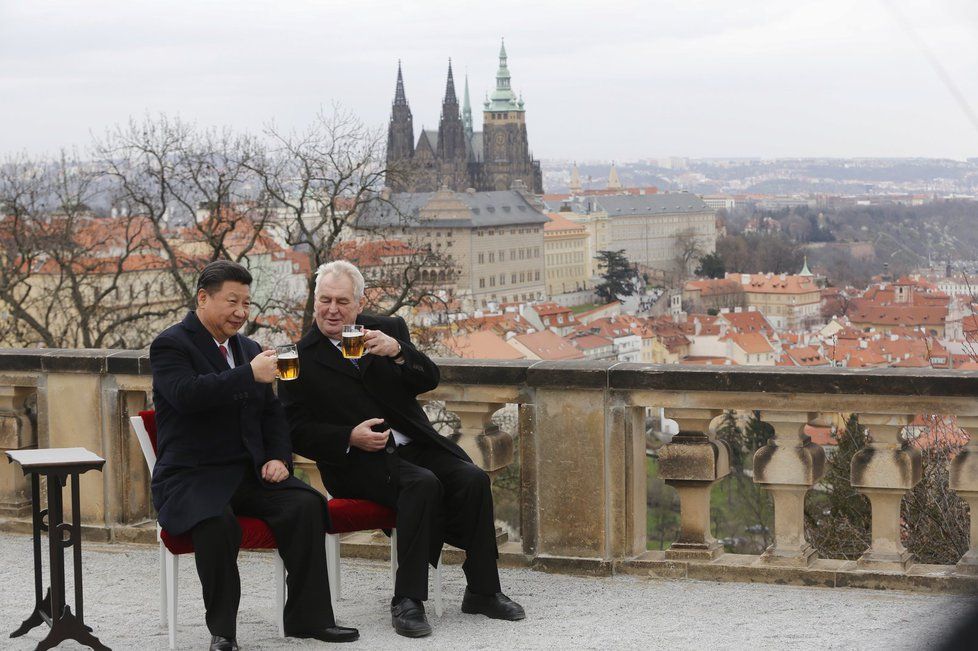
(610, 79)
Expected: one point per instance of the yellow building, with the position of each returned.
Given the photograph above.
(565, 246)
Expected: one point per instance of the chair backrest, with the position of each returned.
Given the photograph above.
(144, 425)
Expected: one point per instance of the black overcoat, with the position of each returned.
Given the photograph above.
(332, 396)
(213, 424)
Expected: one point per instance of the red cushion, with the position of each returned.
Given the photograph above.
(149, 422)
(359, 515)
(255, 534)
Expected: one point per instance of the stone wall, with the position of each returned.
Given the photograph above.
(581, 443)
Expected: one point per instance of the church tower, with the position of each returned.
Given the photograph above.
(506, 152)
(400, 135)
(451, 138)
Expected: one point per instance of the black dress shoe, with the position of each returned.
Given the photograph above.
(329, 634)
(495, 606)
(219, 643)
(408, 618)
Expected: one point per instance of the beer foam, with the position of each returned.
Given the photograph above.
(289, 355)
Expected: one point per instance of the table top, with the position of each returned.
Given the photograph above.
(55, 457)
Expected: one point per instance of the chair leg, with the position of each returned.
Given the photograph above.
(163, 609)
(172, 580)
(280, 593)
(331, 570)
(394, 557)
(438, 604)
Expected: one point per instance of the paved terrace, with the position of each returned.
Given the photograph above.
(625, 612)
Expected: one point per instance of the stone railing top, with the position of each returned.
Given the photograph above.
(625, 376)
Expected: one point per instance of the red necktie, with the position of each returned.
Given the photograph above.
(224, 351)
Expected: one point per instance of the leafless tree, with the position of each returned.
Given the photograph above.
(323, 180)
(68, 269)
(688, 248)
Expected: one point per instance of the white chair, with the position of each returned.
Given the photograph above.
(170, 561)
(350, 515)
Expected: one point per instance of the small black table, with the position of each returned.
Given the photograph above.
(57, 464)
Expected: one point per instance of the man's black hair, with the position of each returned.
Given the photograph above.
(218, 272)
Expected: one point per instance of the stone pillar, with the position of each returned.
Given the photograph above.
(70, 411)
(884, 471)
(16, 433)
(964, 481)
(582, 474)
(691, 463)
(788, 466)
(490, 448)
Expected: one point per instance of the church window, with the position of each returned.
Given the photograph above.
(481, 258)
(492, 281)
(492, 257)
(522, 277)
(514, 279)
(538, 275)
(502, 279)
(502, 255)
(482, 283)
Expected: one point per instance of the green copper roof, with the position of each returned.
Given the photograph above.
(503, 98)
(467, 109)
(805, 271)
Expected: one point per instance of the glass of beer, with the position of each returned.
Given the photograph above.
(288, 362)
(353, 341)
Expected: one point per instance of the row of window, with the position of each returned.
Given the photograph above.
(523, 276)
(502, 231)
(565, 258)
(514, 254)
(513, 298)
(565, 271)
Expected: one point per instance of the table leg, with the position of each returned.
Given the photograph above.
(76, 547)
(56, 547)
(41, 605)
(65, 625)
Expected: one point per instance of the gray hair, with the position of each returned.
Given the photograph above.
(342, 268)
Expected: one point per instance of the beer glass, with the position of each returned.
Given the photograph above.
(288, 362)
(353, 341)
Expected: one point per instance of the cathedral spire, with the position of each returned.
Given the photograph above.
(467, 110)
(614, 183)
(400, 99)
(450, 86)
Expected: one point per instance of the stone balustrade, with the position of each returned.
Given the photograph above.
(582, 448)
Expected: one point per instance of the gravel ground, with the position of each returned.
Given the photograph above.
(622, 612)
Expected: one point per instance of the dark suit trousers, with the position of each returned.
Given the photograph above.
(438, 498)
(296, 519)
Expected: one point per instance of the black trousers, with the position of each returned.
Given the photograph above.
(438, 498)
(296, 519)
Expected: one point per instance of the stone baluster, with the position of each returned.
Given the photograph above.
(691, 463)
(884, 471)
(788, 466)
(964, 481)
(489, 447)
(16, 433)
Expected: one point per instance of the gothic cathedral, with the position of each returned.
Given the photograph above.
(456, 156)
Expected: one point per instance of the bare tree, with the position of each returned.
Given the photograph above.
(323, 181)
(69, 269)
(687, 250)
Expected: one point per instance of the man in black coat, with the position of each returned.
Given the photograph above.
(223, 450)
(361, 422)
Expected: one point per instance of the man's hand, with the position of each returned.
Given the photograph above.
(265, 366)
(366, 439)
(377, 343)
(274, 471)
